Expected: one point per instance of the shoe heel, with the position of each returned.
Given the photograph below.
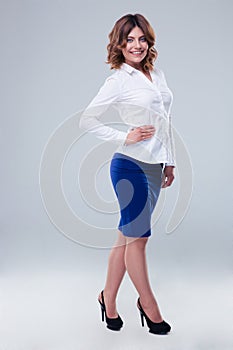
(102, 313)
(142, 319)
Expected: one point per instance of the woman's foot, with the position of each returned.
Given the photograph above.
(161, 327)
(151, 309)
(113, 323)
(109, 304)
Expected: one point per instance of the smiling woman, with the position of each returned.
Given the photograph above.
(136, 48)
(132, 35)
(143, 164)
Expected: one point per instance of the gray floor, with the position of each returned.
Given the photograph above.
(56, 309)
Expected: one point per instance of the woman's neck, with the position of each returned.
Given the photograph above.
(136, 66)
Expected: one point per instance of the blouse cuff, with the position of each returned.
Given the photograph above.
(121, 138)
(170, 164)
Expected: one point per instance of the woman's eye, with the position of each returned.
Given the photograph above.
(143, 39)
(129, 40)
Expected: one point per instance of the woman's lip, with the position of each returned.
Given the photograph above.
(136, 52)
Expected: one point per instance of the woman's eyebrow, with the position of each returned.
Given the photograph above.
(130, 36)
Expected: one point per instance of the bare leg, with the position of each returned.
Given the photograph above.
(128, 253)
(135, 261)
(115, 274)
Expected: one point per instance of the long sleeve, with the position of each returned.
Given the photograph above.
(172, 145)
(167, 100)
(90, 119)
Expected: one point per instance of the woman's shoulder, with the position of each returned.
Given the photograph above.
(158, 71)
(116, 73)
(112, 82)
(159, 75)
(116, 78)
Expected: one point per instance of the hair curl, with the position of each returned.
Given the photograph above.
(118, 40)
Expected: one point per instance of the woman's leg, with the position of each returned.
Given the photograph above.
(129, 253)
(135, 261)
(115, 274)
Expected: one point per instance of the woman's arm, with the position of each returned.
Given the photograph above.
(168, 98)
(108, 94)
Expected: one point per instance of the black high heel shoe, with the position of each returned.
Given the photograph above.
(155, 328)
(114, 324)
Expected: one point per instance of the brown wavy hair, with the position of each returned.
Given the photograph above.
(118, 40)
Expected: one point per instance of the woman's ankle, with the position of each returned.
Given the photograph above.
(148, 301)
(109, 295)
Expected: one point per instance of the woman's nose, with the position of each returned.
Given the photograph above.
(138, 44)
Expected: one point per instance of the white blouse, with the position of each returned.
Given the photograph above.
(138, 102)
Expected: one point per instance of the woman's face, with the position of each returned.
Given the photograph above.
(136, 48)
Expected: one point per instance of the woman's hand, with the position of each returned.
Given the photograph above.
(140, 133)
(168, 176)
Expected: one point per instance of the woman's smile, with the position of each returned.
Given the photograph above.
(136, 53)
(136, 47)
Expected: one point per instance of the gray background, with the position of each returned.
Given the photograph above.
(52, 64)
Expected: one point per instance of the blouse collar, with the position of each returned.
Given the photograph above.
(126, 67)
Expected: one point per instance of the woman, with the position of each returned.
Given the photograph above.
(143, 163)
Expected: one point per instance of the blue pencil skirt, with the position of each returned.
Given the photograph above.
(137, 186)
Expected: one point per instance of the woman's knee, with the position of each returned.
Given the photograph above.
(137, 242)
(121, 239)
